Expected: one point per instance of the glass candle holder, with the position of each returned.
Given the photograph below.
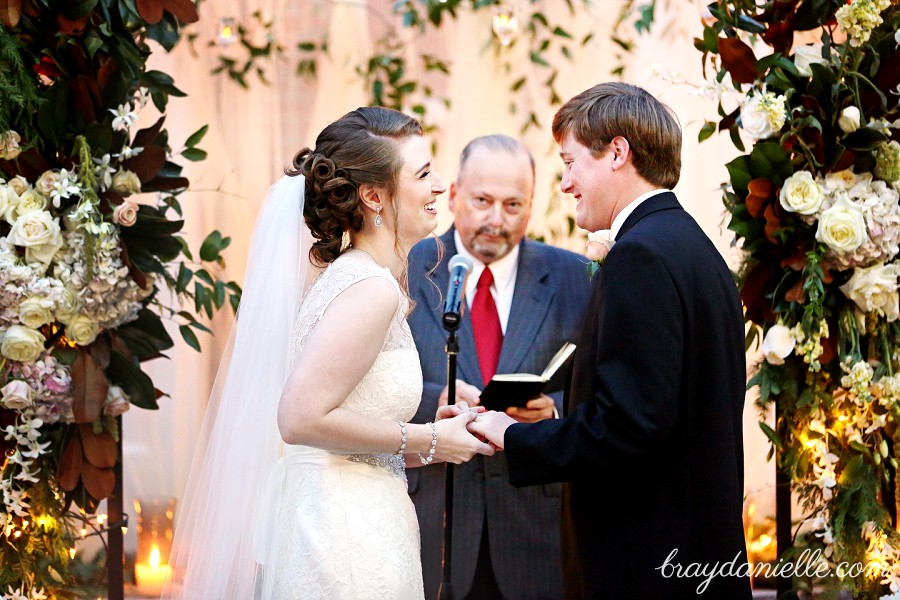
(156, 529)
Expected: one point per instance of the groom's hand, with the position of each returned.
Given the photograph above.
(537, 409)
(491, 426)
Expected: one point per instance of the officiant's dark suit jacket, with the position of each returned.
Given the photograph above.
(551, 293)
(651, 447)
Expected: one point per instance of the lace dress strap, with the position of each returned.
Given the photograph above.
(346, 270)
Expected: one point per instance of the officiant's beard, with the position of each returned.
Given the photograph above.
(492, 249)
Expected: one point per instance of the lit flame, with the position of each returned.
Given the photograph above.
(154, 556)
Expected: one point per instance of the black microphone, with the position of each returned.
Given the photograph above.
(455, 301)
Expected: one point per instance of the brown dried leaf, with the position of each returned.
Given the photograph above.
(70, 464)
(738, 59)
(99, 449)
(89, 388)
(99, 483)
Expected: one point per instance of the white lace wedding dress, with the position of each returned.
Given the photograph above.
(343, 527)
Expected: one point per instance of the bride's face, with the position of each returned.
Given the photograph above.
(417, 191)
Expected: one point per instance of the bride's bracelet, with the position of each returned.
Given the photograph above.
(427, 459)
(404, 437)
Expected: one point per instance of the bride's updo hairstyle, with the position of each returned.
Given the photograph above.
(362, 147)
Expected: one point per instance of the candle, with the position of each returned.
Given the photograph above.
(151, 577)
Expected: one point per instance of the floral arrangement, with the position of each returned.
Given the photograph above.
(813, 202)
(89, 222)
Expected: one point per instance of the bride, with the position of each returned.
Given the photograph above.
(298, 487)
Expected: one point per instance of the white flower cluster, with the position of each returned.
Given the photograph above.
(106, 299)
(859, 17)
(24, 434)
(763, 115)
(858, 217)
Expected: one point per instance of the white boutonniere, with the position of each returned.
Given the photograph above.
(598, 246)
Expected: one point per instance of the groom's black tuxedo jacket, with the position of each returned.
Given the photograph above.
(651, 446)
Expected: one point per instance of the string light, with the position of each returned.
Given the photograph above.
(504, 24)
(227, 26)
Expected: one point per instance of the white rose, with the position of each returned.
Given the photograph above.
(46, 183)
(67, 306)
(125, 214)
(763, 115)
(8, 198)
(116, 402)
(22, 344)
(19, 184)
(850, 119)
(778, 343)
(82, 330)
(34, 312)
(874, 289)
(801, 194)
(842, 227)
(599, 244)
(9, 145)
(39, 233)
(16, 395)
(804, 56)
(29, 201)
(126, 183)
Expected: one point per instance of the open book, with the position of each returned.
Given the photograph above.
(516, 389)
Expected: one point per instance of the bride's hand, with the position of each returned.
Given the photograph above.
(454, 442)
(448, 412)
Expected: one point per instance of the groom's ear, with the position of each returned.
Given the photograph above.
(621, 151)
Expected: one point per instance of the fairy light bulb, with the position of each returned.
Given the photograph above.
(227, 34)
(504, 24)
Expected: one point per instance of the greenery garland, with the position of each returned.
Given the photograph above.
(813, 203)
(82, 262)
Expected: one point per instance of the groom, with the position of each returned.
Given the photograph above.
(651, 448)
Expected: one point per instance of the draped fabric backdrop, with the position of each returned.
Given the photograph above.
(253, 135)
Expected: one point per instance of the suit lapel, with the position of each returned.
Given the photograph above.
(467, 360)
(531, 300)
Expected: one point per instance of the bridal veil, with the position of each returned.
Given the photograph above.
(219, 537)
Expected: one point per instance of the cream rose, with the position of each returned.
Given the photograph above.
(778, 344)
(874, 289)
(9, 145)
(763, 115)
(46, 183)
(116, 402)
(39, 233)
(8, 198)
(34, 312)
(804, 56)
(29, 201)
(82, 330)
(125, 214)
(16, 395)
(599, 244)
(842, 227)
(126, 183)
(19, 184)
(22, 344)
(801, 194)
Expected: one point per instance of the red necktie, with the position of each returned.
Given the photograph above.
(486, 326)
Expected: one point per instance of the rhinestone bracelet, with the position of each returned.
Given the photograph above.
(427, 459)
(404, 437)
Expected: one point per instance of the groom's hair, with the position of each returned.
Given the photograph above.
(612, 109)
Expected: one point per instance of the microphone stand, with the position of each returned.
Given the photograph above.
(445, 591)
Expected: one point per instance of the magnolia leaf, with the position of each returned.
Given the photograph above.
(100, 449)
(89, 388)
(99, 483)
(739, 60)
(70, 464)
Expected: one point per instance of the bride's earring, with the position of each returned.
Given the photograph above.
(378, 216)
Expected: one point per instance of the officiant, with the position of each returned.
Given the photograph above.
(525, 300)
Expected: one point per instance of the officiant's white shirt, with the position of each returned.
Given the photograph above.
(504, 271)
